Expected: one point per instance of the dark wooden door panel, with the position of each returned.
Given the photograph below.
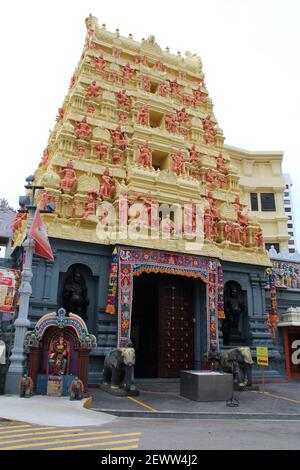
(176, 327)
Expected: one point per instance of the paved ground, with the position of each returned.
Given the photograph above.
(280, 400)
(269, 421)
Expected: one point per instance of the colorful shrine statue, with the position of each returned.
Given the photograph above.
(58, 356)
(168, 227)
(141, 60)
(170, 122)
(68, 180)
(178, 163)
(220, 161)
(83, 129)
(74, 210)
(90, 39)
(163, 89)
(102, 150)
(60, 115)
(145, 155)
(222, 181)
(189, 100)
(194, 156)
(175, 88)
(118, 138)
(93, 90)
(123, 100)
(209, 128)
(108, 187)
(146, 84)
(259, 239)
(182, 116)
(143, 116)
(127, 73)
(44, 157)
(100, 63)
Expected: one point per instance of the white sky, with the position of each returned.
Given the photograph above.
(249, 50)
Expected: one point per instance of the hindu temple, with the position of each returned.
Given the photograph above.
(152, 235)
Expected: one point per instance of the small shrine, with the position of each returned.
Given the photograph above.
(58, 350)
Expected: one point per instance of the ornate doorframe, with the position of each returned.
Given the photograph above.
(135, 261)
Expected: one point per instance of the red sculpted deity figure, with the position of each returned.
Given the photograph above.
(90, 208)
(93, 90)
(100, 63)
(208, 222)
(182, 115)
(123, 100)
(243, 235)
(194, 156)
(108, 187)
(82, 129)
(80, 151)
(178, 163)
(199, 97)
(163, 89)
(68, 177)
(170, 122)
(116, 156)
(44, 200)
(228, 231)
(159, 66)
(259, 239)
(145, 155)
(118, 138)
(60, 115)
(242, 218)
(44, 157)
(220, 161)
(212, 177)
(143, 116)
(146, 84)
(102, 150)
(127, 73)
(212, 204)
(236, 233)
(175, 88)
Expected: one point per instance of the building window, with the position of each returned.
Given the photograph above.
(287, 201)
(286, 194)
(267, 202)
(268, 246)
(291, 242)
(289, 217)
(288, 209)
(291, 234)
(291, 250)
(290, 225)
(254, 201)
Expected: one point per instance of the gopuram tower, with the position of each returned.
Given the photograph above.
(136, 132)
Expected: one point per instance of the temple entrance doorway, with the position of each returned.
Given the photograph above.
(162, 328)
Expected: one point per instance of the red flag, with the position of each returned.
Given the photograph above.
(39, 234)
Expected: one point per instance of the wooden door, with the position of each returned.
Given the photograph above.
(176, 326)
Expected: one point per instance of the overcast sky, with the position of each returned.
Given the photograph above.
(249, 50)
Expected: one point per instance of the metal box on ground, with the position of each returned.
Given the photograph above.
(206, 385)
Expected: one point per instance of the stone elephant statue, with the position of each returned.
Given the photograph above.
(118, 372)
(238, 361)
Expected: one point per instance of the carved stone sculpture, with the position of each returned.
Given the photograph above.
(26, 386)
(238, 361)
(233, 308)
(118, 372)
(76, 389)
(143, 116)
(68, 180)
(144, 155)
(75, 298)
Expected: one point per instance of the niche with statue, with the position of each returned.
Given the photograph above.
(58, 350)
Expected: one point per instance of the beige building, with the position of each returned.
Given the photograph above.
(263, 184)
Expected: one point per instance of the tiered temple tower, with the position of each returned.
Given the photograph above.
(137, 126)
